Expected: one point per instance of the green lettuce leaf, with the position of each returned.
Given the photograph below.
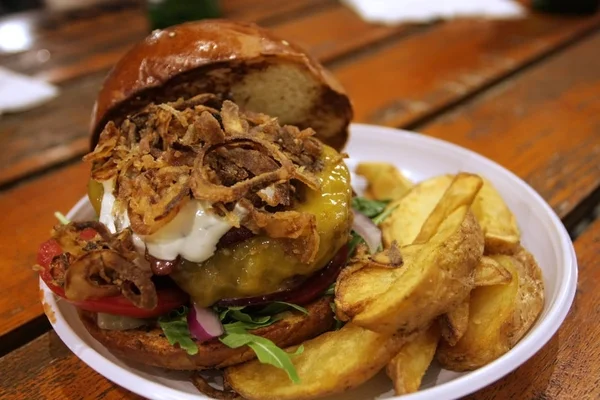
(176, 330)
(370, 208)
(242, 326)
(266, 351)
(277, 307)
(373, 209)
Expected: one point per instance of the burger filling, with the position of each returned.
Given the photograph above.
(206, 207)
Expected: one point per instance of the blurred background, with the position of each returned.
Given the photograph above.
(54, 55)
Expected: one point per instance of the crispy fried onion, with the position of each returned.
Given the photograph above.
(166, 190)
(69, 239)
(169, 153)
(204, 386)
(102, 273)
(300, 230)
(100, 266)
(203, 183)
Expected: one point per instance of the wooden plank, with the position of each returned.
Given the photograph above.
(522, 129)
(543, 125)
(46, 369)
(65, 47)
(564, 368)
(410, 79)
(334, 30)
(568, 367)
(28, 219)
(410, 83)
(56, 130)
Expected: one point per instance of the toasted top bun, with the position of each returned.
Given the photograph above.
(149, 346)
(239, 61)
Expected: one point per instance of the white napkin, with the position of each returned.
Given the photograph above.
(20, 92)
(395, 11)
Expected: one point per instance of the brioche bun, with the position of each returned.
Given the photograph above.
(239, 61)
(149, 346)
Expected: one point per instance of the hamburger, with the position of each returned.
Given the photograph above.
(223, 202)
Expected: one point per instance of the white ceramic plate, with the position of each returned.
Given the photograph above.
(419, 157)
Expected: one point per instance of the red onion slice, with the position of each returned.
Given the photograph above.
(302, 294)
(204, 324)
(367, 230)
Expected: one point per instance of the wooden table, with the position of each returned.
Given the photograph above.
(525, 93)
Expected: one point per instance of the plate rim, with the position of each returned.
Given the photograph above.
(474, 380)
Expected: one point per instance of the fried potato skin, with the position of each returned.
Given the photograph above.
(491, 272)
(432, 281)
(500, 315)
(151, 348)
(407, 368)
(386, 182)
(331, 363)
(499, 225)
(531, 292)
(454, 323)
(412, 210)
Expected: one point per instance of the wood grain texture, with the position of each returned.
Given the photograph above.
(67, 48)
(544, 125)
(409, 83)
(328, 32)
(522, 124)
(412, 78)
(567, 367)
(46, 369)
(27, 221)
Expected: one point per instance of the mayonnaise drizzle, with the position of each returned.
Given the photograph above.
(193, 234)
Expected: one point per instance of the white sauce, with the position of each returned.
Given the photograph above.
(193, 234)
(106, 208)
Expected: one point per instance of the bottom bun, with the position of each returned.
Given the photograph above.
(149, 346)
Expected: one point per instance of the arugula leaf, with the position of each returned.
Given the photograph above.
(61, 218)
(330, 290)
(298, 351)
(374, 209)
(381, 217)
(243, 317)
(277, 307)
(338, 323)
(355, 240)
(266, 351)
(241, 326)
(223, 313)
(370, 208)
(176, 330)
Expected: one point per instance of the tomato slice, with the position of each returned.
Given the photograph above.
(168, 298)
(47, 251)
(88, 234)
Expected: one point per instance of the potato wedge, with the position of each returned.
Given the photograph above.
(462, 191)
(530, 300)
(433, 280)
(499, 316)
(491, 272)
(407, 368)
(386, 182)
(330, 363)
(410, 212)
(453, 324)
(499, 225)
